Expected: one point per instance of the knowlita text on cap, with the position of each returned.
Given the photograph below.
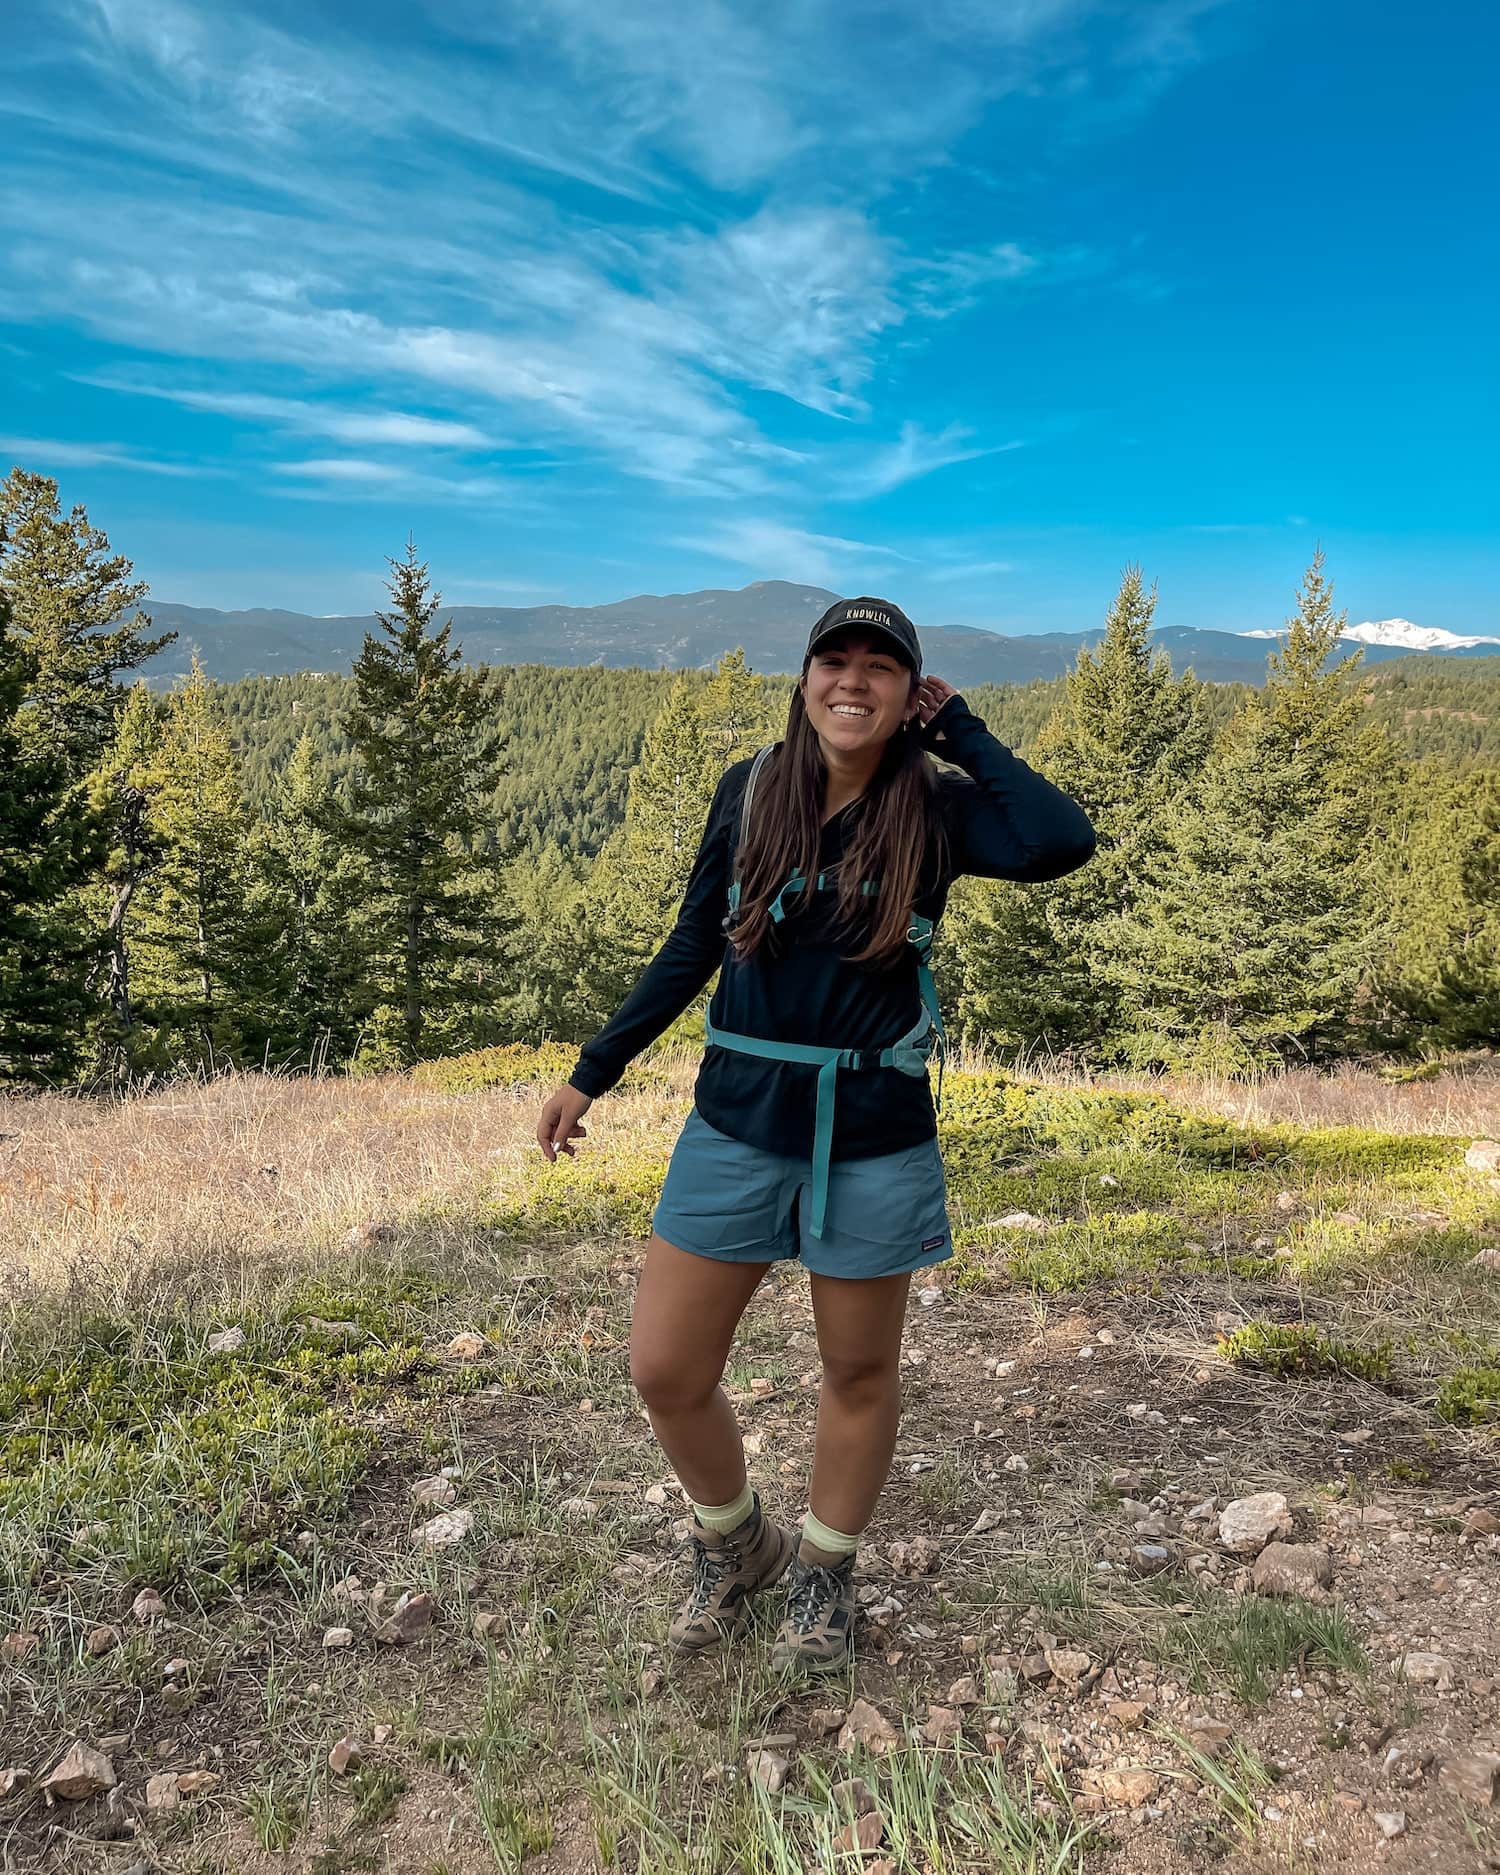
(868, 615)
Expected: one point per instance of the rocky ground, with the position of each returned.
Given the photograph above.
(1127, 1606)
(1079, 1571)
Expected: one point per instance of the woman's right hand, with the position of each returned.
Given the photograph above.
(558, 1127)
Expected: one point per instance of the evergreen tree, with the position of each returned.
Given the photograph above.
(422, 731)
(550, 973)
(734, 710)
(122, 789)
(196, 954)
(642, 872)
(307, 898)
(69, 595)
(1048, 965)
(47, 849)
(1468, 1003)
(1260, 929)
(1439, 975)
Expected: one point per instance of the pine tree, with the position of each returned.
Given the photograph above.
(733, 709)
(70, 595)
(308, 896)
(422, 730)
(122, 789)
(47, 848)
(640, 876)
(1468, 1001)
(549, 975)
(1439, 975)
(196, 955)
(1047, 966)
(1260, 926)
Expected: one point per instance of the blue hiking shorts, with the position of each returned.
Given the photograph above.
(735, 1202)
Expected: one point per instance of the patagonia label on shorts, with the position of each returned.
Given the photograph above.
(934, 1243)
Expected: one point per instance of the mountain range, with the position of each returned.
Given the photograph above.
(770, 619)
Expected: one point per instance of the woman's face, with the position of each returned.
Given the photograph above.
(858, 693)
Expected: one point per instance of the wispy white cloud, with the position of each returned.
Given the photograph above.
(512, 588)
(750, 157)
(39, 453)
(777, 550)
(972, 569)
(341, 478)
(340, 469)
(298, 415)
(914, 454)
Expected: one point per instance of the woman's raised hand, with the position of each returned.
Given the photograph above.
(558, 1126)
(932, 694)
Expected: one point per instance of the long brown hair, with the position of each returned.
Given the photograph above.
(897, 828)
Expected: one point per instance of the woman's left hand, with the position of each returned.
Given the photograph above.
(932, 694)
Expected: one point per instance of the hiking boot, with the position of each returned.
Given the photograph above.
(728, 1568)
(818, 1633)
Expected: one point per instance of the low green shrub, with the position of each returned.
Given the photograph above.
(987, 1116)
(601, 1194)
(512, 1064)
(1470, 1397)
(1301, 1349)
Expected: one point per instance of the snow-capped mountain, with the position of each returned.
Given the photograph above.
(1401, 631)
(1401, 634)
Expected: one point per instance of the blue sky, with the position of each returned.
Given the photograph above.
(967, 303)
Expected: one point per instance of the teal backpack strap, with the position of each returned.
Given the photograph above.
(762, 756)
(919, 935)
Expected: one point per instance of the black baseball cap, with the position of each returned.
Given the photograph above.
(879, 618)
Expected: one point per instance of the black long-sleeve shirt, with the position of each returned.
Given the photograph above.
(1003, 821)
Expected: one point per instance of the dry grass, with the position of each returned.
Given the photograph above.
(1462, 1101)
(266, 1170)
(208, 1205)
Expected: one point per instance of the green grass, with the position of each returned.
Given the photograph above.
(1250, 1644)
(1236, 1779)
(952, 1811)
(129, 1454)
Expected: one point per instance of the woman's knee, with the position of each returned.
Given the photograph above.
(668, 1380)
(861, 1380)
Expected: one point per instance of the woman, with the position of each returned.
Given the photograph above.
(813, 1134)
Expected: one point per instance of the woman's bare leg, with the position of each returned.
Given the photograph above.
(859, 1405)
(686, 1311)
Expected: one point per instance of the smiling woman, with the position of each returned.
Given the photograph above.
(814, 1133)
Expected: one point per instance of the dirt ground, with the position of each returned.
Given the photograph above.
(1035, 1439)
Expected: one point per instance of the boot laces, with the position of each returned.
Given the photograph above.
(710, 1566)
(812, 1593)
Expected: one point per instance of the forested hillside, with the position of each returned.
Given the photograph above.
(571, 737)
(425, 857)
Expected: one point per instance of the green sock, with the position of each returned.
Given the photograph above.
(823, 1545)
(726, 1517)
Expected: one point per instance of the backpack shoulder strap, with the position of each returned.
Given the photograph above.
(762, 756)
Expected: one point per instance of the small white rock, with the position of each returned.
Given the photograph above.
(1391, 1823)
(442, 1532)
(229, 1342)
(1248, 1524)
(434, 1493)
(336, 1638)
